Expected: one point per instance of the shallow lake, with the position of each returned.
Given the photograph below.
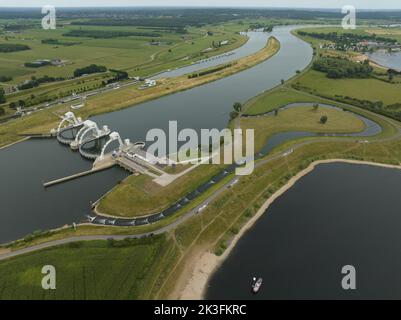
(389, 60)
(340, 214)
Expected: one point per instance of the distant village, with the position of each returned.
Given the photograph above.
(362, 46)
(354, 42)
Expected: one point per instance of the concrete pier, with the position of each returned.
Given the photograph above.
(76, 175)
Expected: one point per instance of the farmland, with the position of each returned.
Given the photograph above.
(87, 270)
(127, 52)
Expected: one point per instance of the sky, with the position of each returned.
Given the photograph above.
(359, 4)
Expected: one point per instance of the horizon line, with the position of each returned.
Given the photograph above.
(200, 6)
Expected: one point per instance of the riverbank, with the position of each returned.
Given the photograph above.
(205, 263)
(15, 142)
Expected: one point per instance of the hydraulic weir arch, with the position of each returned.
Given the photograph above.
(114, 136)
(70, 118)
(68, 122)
(89, 127)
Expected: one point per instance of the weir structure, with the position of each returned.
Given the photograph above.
(93, 142)
(68, 126)
(91, 128)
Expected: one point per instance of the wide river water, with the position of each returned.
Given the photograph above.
(340, 214)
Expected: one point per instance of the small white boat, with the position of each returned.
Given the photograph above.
(257, 283)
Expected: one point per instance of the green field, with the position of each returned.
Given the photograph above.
(139, 195)
(271, 100)
(302, 119)
(363, 89)
(86, 270)
(133, 53)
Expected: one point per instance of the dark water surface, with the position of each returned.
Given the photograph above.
(26, 206)
(389, 60)
(340, 214)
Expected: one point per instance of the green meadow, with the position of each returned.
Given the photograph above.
(86, 270)
(125, 53)
(363, 89)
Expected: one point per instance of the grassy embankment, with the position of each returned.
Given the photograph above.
(44, 120)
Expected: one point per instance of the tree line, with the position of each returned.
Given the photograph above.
(206, 72)
(337, 68)
(108, 34)
(59, 43)
(93, 68)
(35, 82)
(13, 47)
(346, 37)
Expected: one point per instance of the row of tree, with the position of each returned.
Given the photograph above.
(347, 38)
(93, 68)
(35, 82)
(12, 47)
(209, 71)
(59, 43)
(5, 78)
(2, 100)
(2, 95)
(119, 76)
(337, 68)
(108, 34)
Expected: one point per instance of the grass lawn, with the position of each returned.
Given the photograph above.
(275, 99)
(126, 53)
(86, 270)
(363, 89)
(302, 119)
(139, 195)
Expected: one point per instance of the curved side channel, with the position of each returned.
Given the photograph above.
(26, 206)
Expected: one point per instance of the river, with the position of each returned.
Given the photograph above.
(27, 206)
(340, 214)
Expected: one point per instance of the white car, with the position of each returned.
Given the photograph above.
(288, 153)
(233, 183)
(202, 207)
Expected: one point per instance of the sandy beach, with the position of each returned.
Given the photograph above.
(205, 263)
